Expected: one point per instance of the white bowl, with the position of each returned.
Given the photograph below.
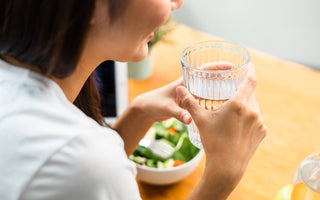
(167, 176)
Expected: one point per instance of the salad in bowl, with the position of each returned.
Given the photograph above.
(182, 160)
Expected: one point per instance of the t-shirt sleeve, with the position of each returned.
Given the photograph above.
(92, 166)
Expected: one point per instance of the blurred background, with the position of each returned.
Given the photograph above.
(288, 29)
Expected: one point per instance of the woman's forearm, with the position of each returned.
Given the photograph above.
(132, 125)
(217, 181)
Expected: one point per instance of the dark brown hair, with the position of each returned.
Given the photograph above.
(50, 34)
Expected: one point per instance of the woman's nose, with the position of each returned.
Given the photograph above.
(175, 4)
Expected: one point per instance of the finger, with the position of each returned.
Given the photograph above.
(221, 65)
(254, 103)
(181, 115)
(186, 101)
(260, 122)
(171, 87)
(261, 130)
(247, 87)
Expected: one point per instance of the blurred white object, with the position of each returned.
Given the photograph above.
(121, 91)
(308, 174)
(165, 176)
(158, 147)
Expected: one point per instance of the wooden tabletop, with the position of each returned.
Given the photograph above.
(289, 97)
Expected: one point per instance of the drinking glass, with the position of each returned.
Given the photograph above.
(307, 179)
(212, 87)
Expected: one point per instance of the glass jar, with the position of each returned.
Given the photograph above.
(307, 179)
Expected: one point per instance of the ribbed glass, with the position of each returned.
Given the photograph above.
(211, 88)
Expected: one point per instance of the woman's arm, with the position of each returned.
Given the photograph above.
(143, 111)
(230, 135)
(131, 126)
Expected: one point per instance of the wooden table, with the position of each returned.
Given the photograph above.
(289, 97)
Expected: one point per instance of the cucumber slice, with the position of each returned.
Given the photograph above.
(169, 163)
(150, 163)
(169, 123)
(138, 159)
(160, 165)
(151, 134)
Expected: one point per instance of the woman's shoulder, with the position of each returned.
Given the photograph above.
(89, 165)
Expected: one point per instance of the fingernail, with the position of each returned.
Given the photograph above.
(186, 118)
(180, 91)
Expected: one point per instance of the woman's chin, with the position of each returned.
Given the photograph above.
(140, 57)
(135, 56)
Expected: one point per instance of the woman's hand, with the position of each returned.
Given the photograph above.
(230, 135)
(160, 104)
(147, 108)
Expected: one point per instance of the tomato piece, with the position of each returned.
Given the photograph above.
(172, 131)
(177, 163)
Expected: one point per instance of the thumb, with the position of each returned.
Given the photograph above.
(186, 101)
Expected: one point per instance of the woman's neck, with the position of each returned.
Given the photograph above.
(73, 84)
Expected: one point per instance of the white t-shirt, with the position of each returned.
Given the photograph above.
(50, 150)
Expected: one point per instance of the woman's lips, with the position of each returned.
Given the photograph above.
(151, 36)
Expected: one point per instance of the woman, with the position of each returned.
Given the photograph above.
(50, 149)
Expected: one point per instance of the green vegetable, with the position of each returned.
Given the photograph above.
(168, 163)
(169, 123)
(160, 165)
(142, 151)
(161, 131)
(174, 138)
(151, 163)
(184, 150)
(179, 126)
(147, 153)
(151, 134)
(138, 159)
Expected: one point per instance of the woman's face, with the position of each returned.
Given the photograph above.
(126, 38)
